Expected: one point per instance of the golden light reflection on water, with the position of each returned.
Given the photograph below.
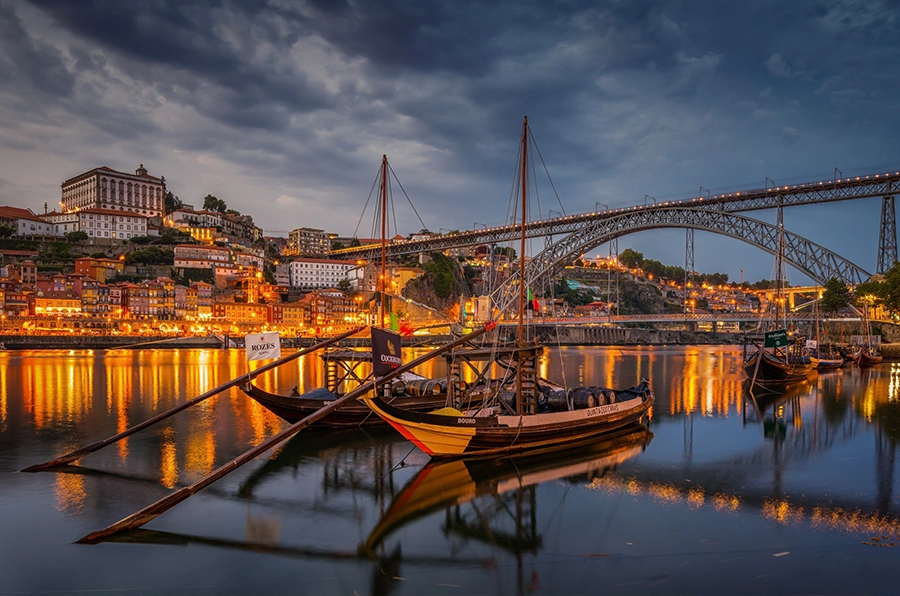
(4, 392)
(894, 385)
(780, 511)
(70, 492)
(168, 459)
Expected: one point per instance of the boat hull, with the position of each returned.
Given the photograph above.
(772, 370)
(865, 359)
(827, 363)
(463, 434)
(352, 414)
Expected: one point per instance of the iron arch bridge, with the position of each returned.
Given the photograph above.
(776, 197)
(816, 261)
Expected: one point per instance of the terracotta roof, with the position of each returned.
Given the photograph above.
(18, 213)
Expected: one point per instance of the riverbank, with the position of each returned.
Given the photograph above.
(547, 334)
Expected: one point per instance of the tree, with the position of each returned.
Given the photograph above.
(870, 292)
(213, 203)
(631, 258)
(835, 296)
(172, 202)
(76, 236)
(6, 231)
(890, 289)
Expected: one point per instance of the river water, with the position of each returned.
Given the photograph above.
(721, 493)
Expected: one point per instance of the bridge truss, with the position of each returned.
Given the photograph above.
(814, 260)
(717, 213)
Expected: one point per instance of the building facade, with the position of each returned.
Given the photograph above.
(308, 242)
(309, 274)
(105, 188)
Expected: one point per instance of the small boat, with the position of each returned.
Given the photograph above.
(867, 357)
(774, 367)
(522, 413)
(778, 361)
(414, 392)
(826, 363)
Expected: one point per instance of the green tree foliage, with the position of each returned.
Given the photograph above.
(193, 274)
(891, 293)
(440, 269)
(631, 258)
(172, 236)
(152, 255)
(213, 203)
(76, 236)
(509, 251)
(6, 231)
(172, 202)
(572, 297)
(870, 292)
(835, 296)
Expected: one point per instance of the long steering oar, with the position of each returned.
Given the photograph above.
(136, 520)
(79, 453)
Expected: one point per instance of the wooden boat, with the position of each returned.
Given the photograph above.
(444, 484)
(826, 363)
(777, 361)
(867, 357)
(772, 366)
(520, 417)
(293, 408)
(486, 431)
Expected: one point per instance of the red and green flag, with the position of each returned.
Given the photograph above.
(532, 301)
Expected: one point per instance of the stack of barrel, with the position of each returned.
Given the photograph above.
(580, 398)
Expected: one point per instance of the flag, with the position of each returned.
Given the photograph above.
(395, 322)
(262, 346)
(532, 301)
(385, 351)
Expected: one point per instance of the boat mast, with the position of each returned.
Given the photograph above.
(522, 245)
(383, 279)
(779, 272)
(521, 329)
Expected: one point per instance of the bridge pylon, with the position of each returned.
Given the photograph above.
(887, 237)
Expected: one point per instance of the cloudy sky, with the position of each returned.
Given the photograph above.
(283, 108)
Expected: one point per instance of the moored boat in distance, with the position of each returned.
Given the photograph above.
(867, 357)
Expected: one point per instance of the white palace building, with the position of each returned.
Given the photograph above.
(105, 188)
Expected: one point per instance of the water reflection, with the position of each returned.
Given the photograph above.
(819, 457)
(508, 483)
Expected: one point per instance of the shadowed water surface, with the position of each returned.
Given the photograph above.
(722, 493)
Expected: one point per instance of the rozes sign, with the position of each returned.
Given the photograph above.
(776, 339)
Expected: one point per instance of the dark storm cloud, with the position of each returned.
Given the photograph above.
(27, 62)
(295, 102)
(184, 41)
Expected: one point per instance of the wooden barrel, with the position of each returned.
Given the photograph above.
(585, 397)
(421, 387)
(558, 401)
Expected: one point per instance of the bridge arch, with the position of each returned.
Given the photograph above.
(814, 260)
